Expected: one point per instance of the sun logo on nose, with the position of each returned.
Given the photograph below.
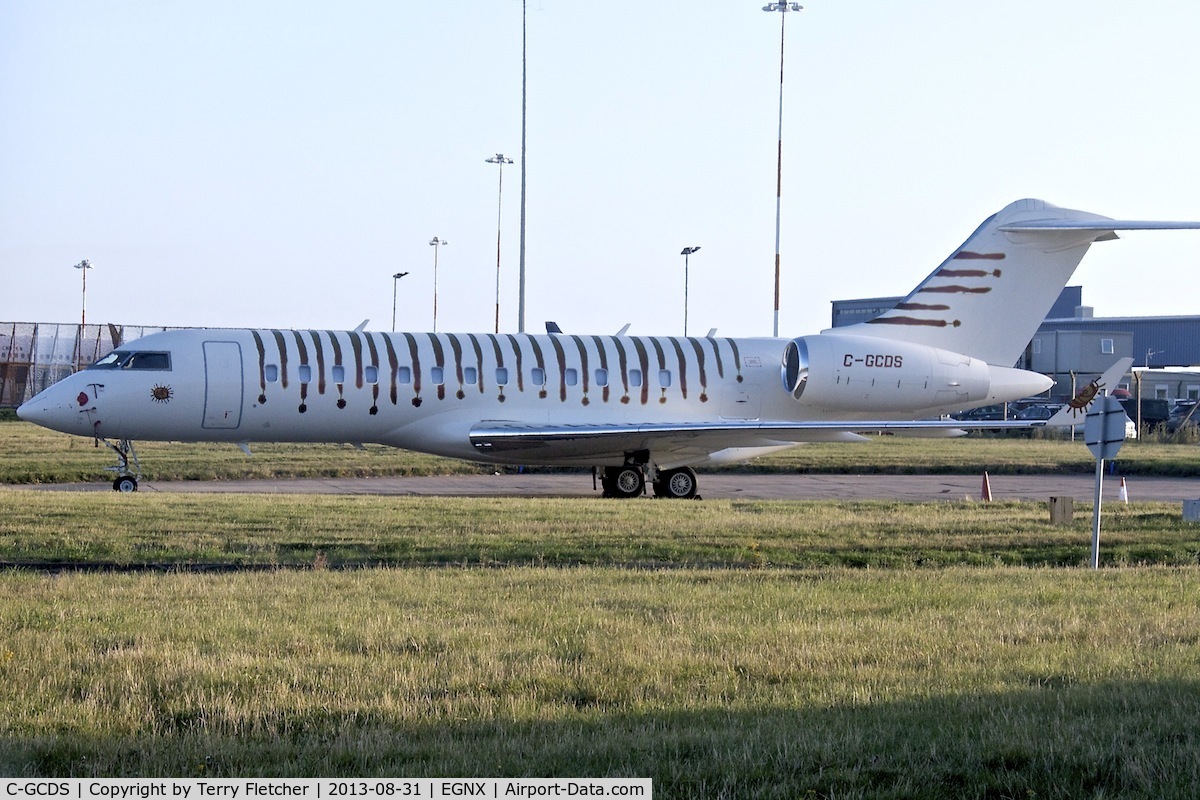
(161, 394)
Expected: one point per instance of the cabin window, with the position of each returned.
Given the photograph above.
(437, 375)
(371, 373)
(271, 373)
(339, 373)
(501, 376)
(664, 378)
(470, 375)
(1106, 346)
(537, 376)
(404, 375)
(571, 377)
(635, 377)
(304, 372)
(602, 377)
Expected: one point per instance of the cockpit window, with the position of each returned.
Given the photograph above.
(111, 361)
(123, 359)
(158, 361)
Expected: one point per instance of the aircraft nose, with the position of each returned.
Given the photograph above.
(39, 411)
(51, 409)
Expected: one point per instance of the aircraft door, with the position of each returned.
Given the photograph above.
(223, 385)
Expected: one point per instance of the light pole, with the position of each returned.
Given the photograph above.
(500, 160)
(686, 253)
(436, 244)
(395, 282)
(524, 74)
(782, 8)
(82, 266)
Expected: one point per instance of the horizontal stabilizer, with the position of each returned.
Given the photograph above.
(1051, 225)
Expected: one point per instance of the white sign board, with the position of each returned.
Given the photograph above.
(1104, 429)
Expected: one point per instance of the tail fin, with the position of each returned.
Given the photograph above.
(989, 297)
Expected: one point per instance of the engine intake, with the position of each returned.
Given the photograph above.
(865, 374)
(795, 367)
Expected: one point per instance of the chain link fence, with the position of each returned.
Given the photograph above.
(34, 355)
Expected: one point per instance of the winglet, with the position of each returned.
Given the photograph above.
(1072, 413)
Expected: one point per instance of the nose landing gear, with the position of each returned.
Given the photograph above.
(127, 479)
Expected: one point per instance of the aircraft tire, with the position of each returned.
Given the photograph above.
(125, 484)
(623, 482)
(678, 484)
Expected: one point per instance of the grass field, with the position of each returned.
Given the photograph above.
(47, 530)
(783, 683)
(726, 649)
(36, 455)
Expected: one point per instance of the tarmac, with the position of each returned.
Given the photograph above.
(910, 488)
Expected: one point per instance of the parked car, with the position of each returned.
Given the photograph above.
(1155, 412)
(1183, 414)
(984, 414)
(1039, 411)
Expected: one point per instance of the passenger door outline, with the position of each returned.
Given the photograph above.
(224, 385)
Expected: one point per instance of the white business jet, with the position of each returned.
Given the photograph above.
(641, 409)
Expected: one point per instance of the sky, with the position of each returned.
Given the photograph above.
(273, 164)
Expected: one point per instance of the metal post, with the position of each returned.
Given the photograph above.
(436, 243)
(782, 8)
(686, 253)
(82, 266)
(501, 160)
(395, 281)
(524, 161)
(1096, 513)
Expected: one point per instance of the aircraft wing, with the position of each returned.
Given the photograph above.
(693, 441)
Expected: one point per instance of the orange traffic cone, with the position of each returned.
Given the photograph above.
(1124, 492)
(986, 494)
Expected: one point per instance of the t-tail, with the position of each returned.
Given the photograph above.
(989, 297)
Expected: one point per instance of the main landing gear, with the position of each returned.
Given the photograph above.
(127, 479)
(630, 481)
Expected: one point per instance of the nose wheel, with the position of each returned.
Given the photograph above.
(125, 484)
(127, 476)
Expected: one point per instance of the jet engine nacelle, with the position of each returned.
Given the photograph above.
(860, 373)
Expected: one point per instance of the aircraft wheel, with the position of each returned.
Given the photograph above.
(679, 484)
(125, 484)
(623, 482)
